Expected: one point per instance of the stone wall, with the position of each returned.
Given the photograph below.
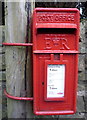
(2, 74)
(82, 68)
(86, 70)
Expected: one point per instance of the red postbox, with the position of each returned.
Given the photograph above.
(55, 60)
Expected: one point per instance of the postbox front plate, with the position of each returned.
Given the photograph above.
(55, 60)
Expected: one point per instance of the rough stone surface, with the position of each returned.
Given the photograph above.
(2, 75)
(0, 50)
(4, 101)
(2, 62)
(81, 69)
(81, 62)
(85, 98)
(80, 104)
(77, 115)
(82, 50)
(0, 99)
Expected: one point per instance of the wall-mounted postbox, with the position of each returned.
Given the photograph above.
(55, 60)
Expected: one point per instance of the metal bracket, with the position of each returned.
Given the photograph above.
(17, 44)
(5, 92)
(17, 98)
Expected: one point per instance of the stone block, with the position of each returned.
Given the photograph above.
(82, 27)
(4, 101)
(86, 59)
(80, 97)
(81, 69)
(2, 75)
(85, 116)
(85, 100)
(81, 86)
(2, 34)
(81, 76)
(86, 67)
(71, 119)
(82, 48)
(80, 104)
(2, 62)
(0, 99)
(82, 32)
(81, 62)
(86, 74)
(0, 49)
(76, 115)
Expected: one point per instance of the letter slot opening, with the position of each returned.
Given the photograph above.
(55, 30)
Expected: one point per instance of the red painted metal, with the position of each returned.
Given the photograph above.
(54, 112)
(17, 98)
(18, 44)
(55, 42)
(55, 51)
(58, 25)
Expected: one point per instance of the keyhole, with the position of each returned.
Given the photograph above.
(42, 83)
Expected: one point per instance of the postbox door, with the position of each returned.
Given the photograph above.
(55, 100)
